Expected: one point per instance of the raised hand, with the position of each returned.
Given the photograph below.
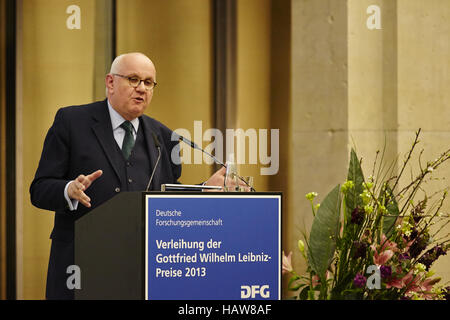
(78, 186)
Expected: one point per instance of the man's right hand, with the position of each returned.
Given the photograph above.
(77, 187)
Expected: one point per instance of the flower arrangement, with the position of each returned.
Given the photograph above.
(373, 239)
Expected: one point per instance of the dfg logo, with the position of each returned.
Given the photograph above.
(254, 290)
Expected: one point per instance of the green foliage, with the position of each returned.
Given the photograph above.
(383, 225)
(324, 232)
(392, 213)
(355, 174)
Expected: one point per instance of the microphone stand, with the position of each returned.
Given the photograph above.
(195, 146)
(155, 139)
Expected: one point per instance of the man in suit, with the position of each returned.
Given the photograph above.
(94, 151)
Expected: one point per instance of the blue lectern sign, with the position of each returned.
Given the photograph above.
(211, 247)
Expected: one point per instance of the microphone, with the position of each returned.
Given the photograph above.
(158, 145)
(195, 146)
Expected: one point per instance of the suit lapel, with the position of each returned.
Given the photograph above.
(152, 151)
(103, 131)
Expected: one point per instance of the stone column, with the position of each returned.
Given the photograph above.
(319, 110)
(365, 74)
(423, 92)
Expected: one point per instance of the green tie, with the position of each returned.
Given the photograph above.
(128, 140)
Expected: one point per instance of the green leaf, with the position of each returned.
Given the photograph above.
(296, 287)
(304, 294)
(355, 174)
(324, 232)
(392, 214)
(291, 285)
(337, 291)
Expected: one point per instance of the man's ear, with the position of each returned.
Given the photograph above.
(109, 83)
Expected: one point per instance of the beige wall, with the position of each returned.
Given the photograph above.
(319, 111)
(55, 69)
(423, 88)
(177, 36)
(253, 83)
(372, 81)
(355, 87)
(59, 67)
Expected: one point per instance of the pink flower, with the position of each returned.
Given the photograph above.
(388, 244)
(423, 288)
(406, 281)
(315, 281)
(396, 283)
(382, 258)
(407, 244)
(287, 264)
(386, 251)
(409, 280)
(428, 284)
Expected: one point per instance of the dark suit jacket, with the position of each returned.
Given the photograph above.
(81, 141)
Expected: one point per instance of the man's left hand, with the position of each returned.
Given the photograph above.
(218, 178)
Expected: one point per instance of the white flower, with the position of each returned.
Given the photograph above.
(286, 263)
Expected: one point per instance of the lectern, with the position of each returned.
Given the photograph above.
(181, 246)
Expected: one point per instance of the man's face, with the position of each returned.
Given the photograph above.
(128, 101)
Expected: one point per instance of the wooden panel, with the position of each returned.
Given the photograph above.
(177, 36)
(57, 66)
(2, 154)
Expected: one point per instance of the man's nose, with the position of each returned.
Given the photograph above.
(141, 86)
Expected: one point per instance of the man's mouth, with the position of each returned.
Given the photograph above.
(138, 99)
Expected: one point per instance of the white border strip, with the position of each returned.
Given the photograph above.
(147, 196)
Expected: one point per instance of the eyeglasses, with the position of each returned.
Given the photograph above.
(136, 82)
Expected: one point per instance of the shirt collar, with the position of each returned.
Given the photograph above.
(117, 119)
